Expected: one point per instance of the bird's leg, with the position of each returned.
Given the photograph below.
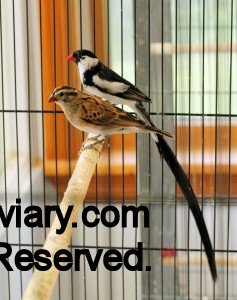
(94, 138)
(95, 141)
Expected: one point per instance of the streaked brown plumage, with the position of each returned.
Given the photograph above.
(92, 114)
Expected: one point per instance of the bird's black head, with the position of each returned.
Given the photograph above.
(79, 55)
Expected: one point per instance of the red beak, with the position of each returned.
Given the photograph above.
(52, 99)
(71, 57)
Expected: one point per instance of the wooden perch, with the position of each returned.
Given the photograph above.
(42, 283)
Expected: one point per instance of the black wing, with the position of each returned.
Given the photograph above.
(132, 93)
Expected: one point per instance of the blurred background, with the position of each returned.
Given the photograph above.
(181, 53)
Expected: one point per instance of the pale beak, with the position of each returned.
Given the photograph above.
(71, 57)
(52, 99)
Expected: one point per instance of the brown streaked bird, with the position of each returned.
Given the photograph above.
(94, 115)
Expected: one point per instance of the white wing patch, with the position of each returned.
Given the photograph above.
(112, 87)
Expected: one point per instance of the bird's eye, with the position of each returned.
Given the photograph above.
(61, 94)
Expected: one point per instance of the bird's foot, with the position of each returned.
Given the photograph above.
(95, 141)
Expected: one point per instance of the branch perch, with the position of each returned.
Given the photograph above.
(42, 283)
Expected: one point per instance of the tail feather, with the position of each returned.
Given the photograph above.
(186, 188)
(179, 174)
(159, 131)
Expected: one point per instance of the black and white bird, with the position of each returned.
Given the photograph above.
(101, 81)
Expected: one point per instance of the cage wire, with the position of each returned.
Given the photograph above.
(183, 55)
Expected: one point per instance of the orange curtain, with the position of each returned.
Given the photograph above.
(61, 34)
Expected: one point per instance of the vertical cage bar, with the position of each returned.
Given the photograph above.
(69, 133)
(216, 124)
(4, 144)
(162, 163)
(136, 196)
(109, 159)
(29, 116)
(122, 137)
(96, 170)
(230, 154)
(189, 132)
(16, 128)
(176, 119)
(203, 133)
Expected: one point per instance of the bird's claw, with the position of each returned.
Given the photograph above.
(96, 141)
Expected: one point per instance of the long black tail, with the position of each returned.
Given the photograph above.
(167, 153)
